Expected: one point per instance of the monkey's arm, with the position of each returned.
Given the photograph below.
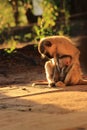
(50, 74)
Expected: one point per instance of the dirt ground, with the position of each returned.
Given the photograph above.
(23, 107)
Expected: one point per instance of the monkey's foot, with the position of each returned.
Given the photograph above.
(60, 84)
(52, 85)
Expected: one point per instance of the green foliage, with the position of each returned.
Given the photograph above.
(51, 22)
(64, 26)
(22, 17)
(47, 22)
(11, 45)
(6, 15)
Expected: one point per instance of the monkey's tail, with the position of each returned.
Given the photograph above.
(82, 82)
(40, 83)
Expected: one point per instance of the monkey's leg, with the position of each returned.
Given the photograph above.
(82, 82)
(73, 75)
(60, 84)
(52, 74)
(49, 69)
(62, 76)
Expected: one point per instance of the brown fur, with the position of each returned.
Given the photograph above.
(58, 46)
(54, 75)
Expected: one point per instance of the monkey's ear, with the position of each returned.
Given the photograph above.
(47, 43)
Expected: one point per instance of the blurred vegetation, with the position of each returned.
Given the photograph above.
(6, 15)
(54, 21)
(46, 23)
(12, 18)
(18, 23)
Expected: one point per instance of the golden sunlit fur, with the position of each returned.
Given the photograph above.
(55, 47)
(59, 45)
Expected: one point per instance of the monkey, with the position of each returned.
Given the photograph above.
(63, 66)
(55, 72)
(56, 47)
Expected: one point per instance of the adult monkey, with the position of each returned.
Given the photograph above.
(56, 47)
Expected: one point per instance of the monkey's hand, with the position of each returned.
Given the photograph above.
(60, 84)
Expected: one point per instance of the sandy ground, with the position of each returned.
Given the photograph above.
(23, 107)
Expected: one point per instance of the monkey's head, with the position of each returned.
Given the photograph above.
(46, 48)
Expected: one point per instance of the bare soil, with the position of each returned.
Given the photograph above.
(23, 107)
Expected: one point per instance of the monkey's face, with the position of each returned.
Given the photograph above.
(46, 49)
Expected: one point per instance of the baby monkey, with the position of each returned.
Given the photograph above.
(57, 69)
